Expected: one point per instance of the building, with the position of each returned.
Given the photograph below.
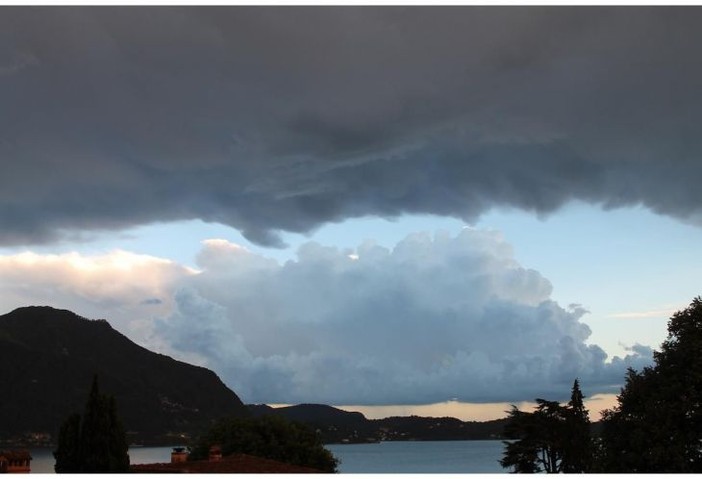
(216, 463)
(15, 461)
(215, 453)
(179, 454)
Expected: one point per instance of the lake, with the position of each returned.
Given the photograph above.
(420, 456)
(384, 457)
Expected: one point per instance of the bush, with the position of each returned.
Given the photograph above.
(271, 437)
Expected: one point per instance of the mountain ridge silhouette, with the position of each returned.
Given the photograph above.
(48, 357)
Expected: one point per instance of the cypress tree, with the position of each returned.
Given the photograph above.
(118, 447)
(95, 432)
(67, 455)
(577, 448)
(97, 443)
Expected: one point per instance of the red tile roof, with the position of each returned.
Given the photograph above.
(234, 463)
(16, 455)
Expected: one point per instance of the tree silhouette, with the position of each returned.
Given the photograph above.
(577, 444)
(118, 446)
(68, 452)
(553, 438)
(521, 455)
(96, 442)
(271, 437)
(657, 423)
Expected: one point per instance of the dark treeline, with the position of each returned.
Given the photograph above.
(656, 426)
(96, 442)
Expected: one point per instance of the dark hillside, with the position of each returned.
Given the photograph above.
(439, 428)
(338, 426)
(319, 413)
(334, 425)
(47, 361)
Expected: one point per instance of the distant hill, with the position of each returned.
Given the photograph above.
(311, 413)
(338, 426)
(49, 356)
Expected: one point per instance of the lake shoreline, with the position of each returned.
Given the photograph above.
(461, 456)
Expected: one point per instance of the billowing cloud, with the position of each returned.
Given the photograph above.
(126, 288)
(432, 319)
(285, 118)
(435, 318)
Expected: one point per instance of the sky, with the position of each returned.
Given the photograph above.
(433, 209)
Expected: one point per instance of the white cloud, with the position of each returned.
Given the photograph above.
(125, 288)
(434, 318)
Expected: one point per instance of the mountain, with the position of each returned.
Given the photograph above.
(311, 413)
(47, 361)
(338, 426)
(439, 429)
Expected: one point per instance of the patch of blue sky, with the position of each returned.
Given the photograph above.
(629, 267)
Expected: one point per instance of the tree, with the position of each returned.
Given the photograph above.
(271, 437)
(577, 444)
(553, 438)
(118, 446)
(628, 441)
(95, 432)
(97, 441)
(539, 438)
(657, 423)
(522, 455)
(68, 452)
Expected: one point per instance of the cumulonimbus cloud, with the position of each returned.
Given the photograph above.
(272, 119)
(432, 319)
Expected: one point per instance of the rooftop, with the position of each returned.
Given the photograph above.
(234, 463)
(16, 455)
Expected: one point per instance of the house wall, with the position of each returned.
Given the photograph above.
(14, 462)
(19, 466)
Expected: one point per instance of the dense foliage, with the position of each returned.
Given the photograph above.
(271, 437)
(657, 424)
(96, 442)
(553, 438)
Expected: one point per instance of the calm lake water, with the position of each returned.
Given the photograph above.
(420, 456)
(391, 457)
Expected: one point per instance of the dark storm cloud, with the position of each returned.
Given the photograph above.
(284, 118)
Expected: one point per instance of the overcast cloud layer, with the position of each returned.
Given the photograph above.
(435, 318)
(272, 119)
